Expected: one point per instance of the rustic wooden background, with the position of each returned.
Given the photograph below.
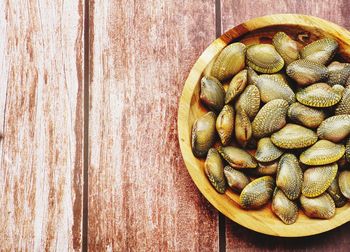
(88, 107)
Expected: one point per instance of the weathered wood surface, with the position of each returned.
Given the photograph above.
(141, 197)
(41, 117)
(234, 12)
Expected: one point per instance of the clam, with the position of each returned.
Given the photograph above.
(343, 106)
(267, 151)
(321, 207)
(319, 95)
(289, 176)
(225, 124)
(293, 136)
(237, 157)
(322, 152)
(307, 116)
(334, 191)
(284, 208)
(214, 170)
(344, 183)
(203, 134)
(286, 47)
(236, 180)
(336, 66)
(334, 128)
(321, 51)
(338, 73)
(306, 72)
(270, 118)
(212, 93)
(251, 76)
(257, 193)
(243, 128)
(249, 101)
(339, 89)
(264, 58)
(274, 86)
(237, 85)
(318, 179)
(269, 168)
(230, 61)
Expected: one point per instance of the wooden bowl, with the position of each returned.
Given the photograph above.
(303, 29)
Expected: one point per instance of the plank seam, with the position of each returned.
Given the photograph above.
(86, 127)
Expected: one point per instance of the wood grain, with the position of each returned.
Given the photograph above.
(141, 197)
(41, 116)
(235, 12)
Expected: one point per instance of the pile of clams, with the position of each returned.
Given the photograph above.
(278, 126)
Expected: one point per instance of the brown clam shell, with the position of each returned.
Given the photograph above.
(203, 134)
(230, 61)
(257, 193)
(270, 118)
(284, 208)
(321, 207)
(214, 170)
(225, 124)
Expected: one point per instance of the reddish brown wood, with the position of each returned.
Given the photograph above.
(41, 117)
(141, 196)
(233, 13)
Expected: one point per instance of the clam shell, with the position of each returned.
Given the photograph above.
(319, 95)
(322, 152)
(306, 72)
(230, 61)
(225, 124)
(270, 118)
(334, 128)
(212, 93)
(243, 128)
(249, 101)
(237, 158)
(307, 116)
(237, 85)
(286, 47)
(274, 86)
(318, 179)
(267, 151)
(334, 191)
(236, 180)
(338, 74)
(336, 65)
(251, 76)
(264, 58)
(257, 193)
(320, 51)
(284, 208)
(344, 183)
(338, 89)
(343, 106)
(269, 168)
(293, 136)
(203, 134)
(214, 170)
(289, 176)
(321, 207)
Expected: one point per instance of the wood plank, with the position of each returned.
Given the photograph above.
(233, 13)
(141, 197)
(41, 116)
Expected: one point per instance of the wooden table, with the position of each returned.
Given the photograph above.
(88, 107)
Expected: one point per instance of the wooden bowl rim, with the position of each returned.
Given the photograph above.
(314, 226)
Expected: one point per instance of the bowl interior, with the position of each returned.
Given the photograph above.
(303, 29)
